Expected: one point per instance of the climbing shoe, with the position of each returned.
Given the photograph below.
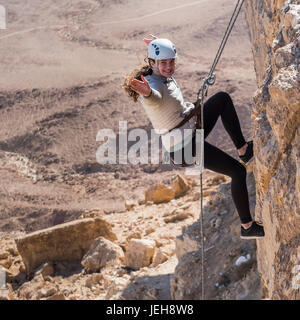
(249, 153)
(256, 231)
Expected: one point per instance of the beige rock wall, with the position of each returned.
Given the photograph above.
(223, 278)
(275, 35)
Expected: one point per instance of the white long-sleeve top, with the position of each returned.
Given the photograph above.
(166, 108)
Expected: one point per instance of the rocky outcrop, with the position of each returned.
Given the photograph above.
(275, 35)
(223, 277)
(65, 242)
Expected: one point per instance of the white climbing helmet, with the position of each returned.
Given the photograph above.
(160, 49)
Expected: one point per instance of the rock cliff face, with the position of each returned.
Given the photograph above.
(224, 277)
(275, 36)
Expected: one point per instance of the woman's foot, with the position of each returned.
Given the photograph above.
(248, 155)
(255, 231)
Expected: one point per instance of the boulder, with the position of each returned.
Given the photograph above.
(180, 186)
(159, 257)
(64, 242)
(102, 253)
(139, 253)
(159, 193)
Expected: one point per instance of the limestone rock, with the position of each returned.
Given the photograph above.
(56, 296)
(101, 254)
(46, 270)
(129, 204)
(8, 251)
(149, 230)
(4, 254)
(186, 205)
(189, 240)
(215, 181)
(65, 242)
(183, 284)
(275, 32)
(46, 292)
(93, 279)
(29, 290)
(177, 217)
(139, 253)
(159, 193)
(7, 262)
(93, 214)
(196, 196)
(115, 286)
(141, 201)
(180, 186)
(5, 294)
(135, 235)
(159, 257)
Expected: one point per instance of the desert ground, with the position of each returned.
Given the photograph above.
(62, 64)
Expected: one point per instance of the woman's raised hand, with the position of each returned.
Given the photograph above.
(141, 87)
(147, 41)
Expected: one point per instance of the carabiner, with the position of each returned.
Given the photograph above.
(210, 80)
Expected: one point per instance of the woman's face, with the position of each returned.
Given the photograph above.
(166, 67)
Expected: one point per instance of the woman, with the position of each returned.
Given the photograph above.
(167, 111)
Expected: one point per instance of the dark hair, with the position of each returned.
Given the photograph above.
(144, 70)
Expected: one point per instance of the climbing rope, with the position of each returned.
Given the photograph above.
(231, 23)
(201, 95)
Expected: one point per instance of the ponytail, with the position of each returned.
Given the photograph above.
(144, 70)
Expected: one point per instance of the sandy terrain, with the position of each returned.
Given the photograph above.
(61, 69)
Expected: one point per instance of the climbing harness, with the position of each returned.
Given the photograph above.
(202, 94)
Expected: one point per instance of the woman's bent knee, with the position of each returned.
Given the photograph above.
(237, 172)
(223, 96)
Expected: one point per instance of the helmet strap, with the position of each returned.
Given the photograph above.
(156, 66)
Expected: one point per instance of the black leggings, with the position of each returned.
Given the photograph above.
(216, 160)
